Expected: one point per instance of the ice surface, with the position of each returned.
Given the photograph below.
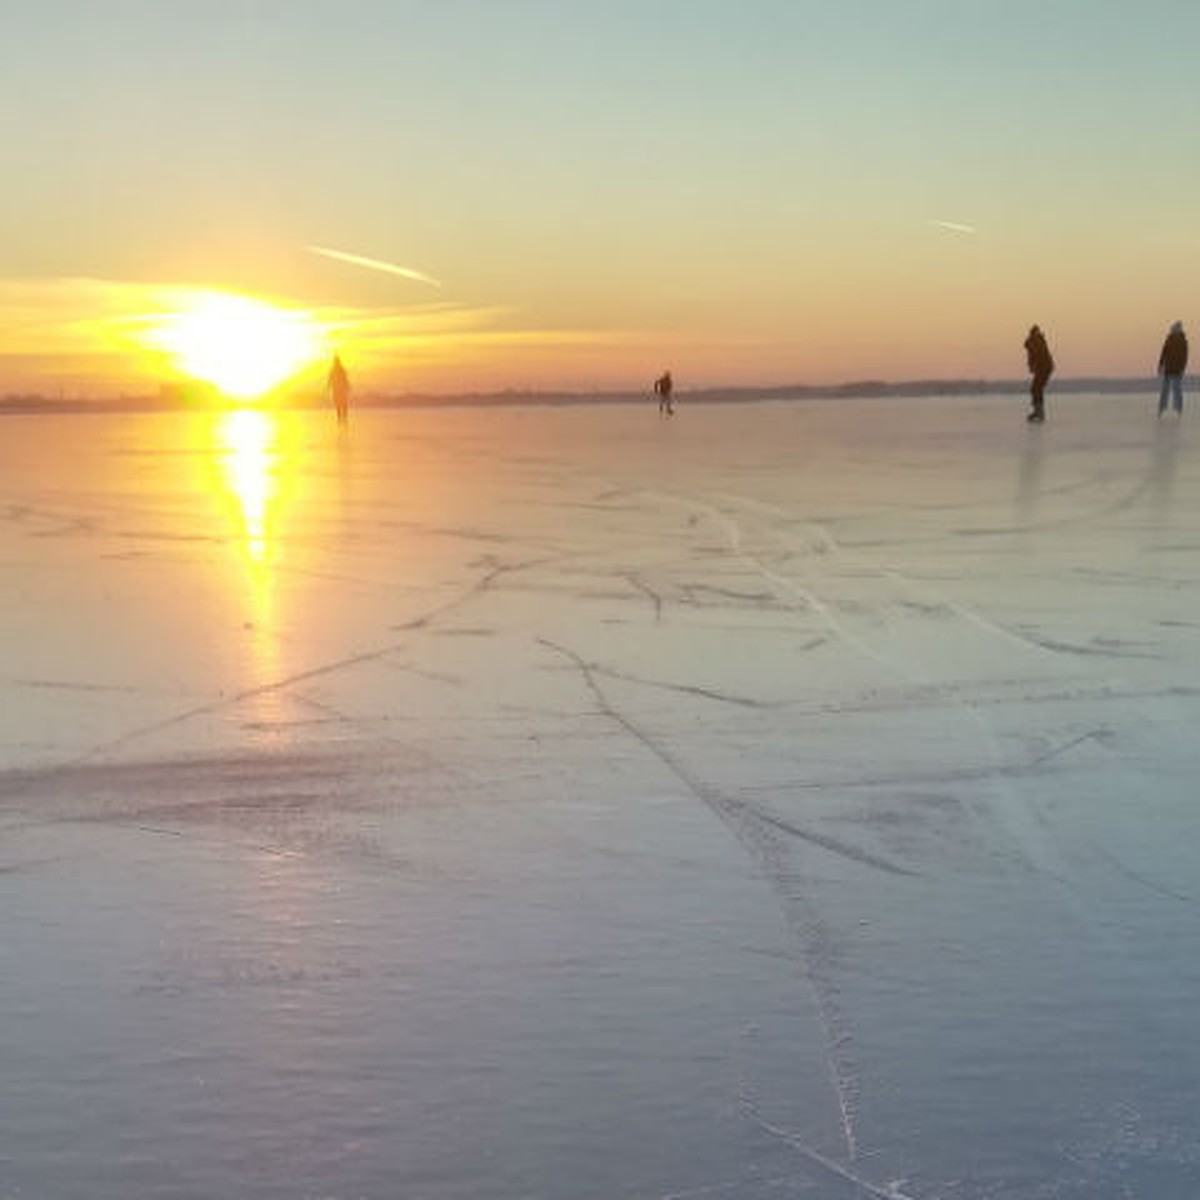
(780, 800)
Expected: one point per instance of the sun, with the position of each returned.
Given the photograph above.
(243, 347)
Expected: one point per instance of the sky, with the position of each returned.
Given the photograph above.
(575, 195)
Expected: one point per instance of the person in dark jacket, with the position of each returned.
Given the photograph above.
(663, 386)
(1041, 366)
(1172, 363)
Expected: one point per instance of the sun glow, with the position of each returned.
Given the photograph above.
(243, 347)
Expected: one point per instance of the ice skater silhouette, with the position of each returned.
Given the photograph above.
(1041, 365)
(663, 386)
(339, 388)
(1172, 363)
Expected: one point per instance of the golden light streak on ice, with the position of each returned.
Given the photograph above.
(251, 459)
(248, 441)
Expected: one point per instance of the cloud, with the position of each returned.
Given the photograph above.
(374, 264)
(954, 226)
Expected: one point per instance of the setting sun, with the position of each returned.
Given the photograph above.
(241, 346)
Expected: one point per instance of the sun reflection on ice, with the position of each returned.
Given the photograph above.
(251, 461)
(249, 440)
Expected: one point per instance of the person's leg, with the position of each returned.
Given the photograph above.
(1177, 389)
(1037, 394)
(1164, 394)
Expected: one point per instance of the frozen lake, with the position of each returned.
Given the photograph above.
(780, 800)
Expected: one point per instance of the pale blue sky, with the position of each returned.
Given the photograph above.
(684, 171)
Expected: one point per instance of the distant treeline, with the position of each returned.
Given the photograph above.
(858, 390)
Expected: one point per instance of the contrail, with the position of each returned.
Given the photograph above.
(954, 226)
(375, 264)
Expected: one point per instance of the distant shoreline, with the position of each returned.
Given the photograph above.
(33, 404)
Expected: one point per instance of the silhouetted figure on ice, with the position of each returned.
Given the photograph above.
(339, 389)
(1041, 366)
(663, 387)
(1172, 363)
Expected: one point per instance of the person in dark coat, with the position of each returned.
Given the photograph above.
(1172, 363)
(663, 386)
(1041, 366)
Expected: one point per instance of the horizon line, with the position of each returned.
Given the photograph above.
(181, 395)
